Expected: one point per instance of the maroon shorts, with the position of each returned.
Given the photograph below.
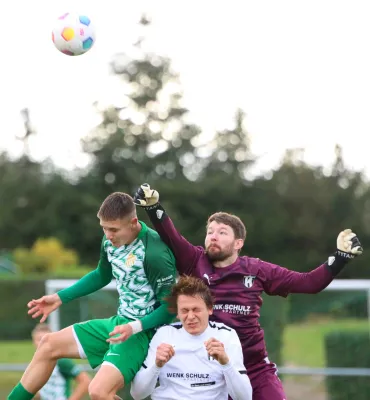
(266, 384)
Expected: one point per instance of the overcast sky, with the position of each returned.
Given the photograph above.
(299, 69)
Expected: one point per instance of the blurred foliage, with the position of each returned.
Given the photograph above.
(45, 256)
(273, 320)
(293, 214)
(15, 294)
(348, 350)
(7, 264)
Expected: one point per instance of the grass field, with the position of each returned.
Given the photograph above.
(297, 339)
(303, 346)
(304, 343)
(14, 352)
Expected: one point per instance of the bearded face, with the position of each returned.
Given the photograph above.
(220, 242)
(217, 253)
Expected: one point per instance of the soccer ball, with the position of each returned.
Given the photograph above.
(73, 34)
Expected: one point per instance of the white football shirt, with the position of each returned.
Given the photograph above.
(191, 373)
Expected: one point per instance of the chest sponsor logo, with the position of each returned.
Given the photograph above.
(190, 376)
(130, 260)
(248, 281)
(233, 308)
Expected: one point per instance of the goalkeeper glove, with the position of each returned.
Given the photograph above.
(348, 247)
(145, 196)
(348, 244)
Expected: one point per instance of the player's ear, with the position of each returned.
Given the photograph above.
(210, 311)
(133, 222)
(239, 243)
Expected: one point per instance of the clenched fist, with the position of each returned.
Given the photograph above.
(216, 350)
(348, 244)
(164, 354)
(145, 196)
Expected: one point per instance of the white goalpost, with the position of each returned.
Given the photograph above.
(358, 285)
(54, 285)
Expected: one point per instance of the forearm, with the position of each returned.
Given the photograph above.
(318, 279)
(337, 262)
(144, 383)
(90, 283)
(310, 282)
(186, 254)
(79, 393)
(238, 385)
(82, 386)
(160, 316)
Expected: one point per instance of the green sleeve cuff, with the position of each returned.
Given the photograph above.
(160, 316)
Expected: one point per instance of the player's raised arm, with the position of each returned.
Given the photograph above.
(281, 281)
(186, 254)
(89, 283)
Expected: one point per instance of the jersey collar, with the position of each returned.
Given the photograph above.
(143, 230)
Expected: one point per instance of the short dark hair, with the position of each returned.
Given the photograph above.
(189, 286)
(117, 205)
(231, 220)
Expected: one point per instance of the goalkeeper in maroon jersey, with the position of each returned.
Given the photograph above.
(237, 282)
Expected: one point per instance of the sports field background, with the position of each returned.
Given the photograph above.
(303, 346)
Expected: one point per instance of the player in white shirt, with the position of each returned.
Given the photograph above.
(193, 358)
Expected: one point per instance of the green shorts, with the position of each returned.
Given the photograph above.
(127, 356)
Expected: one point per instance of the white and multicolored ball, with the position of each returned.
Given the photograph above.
(73, 34)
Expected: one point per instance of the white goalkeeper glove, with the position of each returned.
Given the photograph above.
(145, 196)
(348, 244)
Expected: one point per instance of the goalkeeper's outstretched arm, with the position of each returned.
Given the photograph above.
(186, 254)
(282, 281)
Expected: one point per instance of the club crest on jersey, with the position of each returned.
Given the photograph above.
(248, 281)
(130, 260)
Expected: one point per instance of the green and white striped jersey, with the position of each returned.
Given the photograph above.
(136, 295)
(144, 271)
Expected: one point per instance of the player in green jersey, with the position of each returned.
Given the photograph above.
(144, 270)
(59, 386)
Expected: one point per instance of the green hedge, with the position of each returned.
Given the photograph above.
(273, 320)
(15, 293)
(348, 350)
(14, 296)
(349, 304)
